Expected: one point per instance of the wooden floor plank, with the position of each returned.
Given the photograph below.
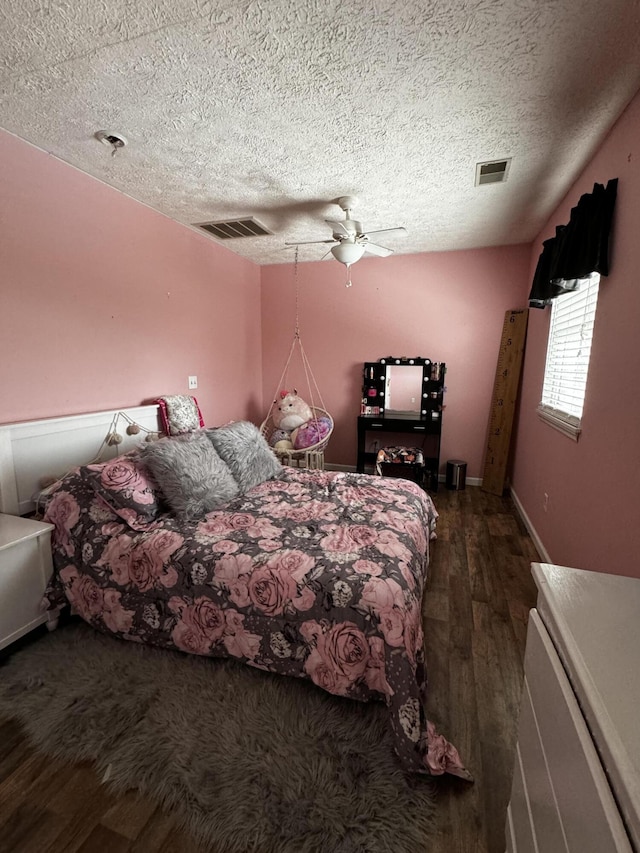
(497, 724)
(477, 601)
(436, 605)
(128, 815)
(55, 775)
(178, 841)
(15, 752)
(10, 736)
(81, 801)
(154, 833)
(29, 765)
(104, 840)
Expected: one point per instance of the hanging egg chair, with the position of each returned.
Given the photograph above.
(319, 426)
(317, 429)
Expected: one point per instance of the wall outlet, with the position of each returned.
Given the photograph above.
(193, 382)
(545, 502)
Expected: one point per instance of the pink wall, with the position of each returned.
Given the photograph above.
(446, 306)
(593, 485)
(106, 304)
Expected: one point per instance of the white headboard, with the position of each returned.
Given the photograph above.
(36, 450)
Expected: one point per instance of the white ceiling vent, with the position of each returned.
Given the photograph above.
(492, 172)
(230, 229)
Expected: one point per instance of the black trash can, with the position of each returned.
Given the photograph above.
(456, 477)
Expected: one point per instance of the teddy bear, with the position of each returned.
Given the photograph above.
(290, 412)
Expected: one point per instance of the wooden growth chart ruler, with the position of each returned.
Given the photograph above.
(503, 403)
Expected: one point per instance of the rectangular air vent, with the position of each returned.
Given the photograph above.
(232, 228)
(492, 172)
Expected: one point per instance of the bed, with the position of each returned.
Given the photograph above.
(312, 574)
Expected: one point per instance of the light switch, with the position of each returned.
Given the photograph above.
(193, 382)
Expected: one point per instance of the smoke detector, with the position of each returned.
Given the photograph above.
(116, 141)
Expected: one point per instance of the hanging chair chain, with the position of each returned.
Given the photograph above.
(310, 378)
(296, 335)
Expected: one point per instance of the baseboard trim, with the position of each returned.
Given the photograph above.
(474, 481)
(469, 481)
(537, 541)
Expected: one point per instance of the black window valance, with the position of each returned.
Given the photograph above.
(578, 249)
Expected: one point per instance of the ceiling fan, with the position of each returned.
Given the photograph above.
(351, 240)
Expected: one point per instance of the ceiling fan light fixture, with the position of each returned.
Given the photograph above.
(348, 253)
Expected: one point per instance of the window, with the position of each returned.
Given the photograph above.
(568, 351)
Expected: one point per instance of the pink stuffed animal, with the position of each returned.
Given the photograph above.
(291, 411)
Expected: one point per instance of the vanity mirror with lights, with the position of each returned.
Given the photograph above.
(402, 395)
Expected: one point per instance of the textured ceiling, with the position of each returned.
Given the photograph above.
(273, 108)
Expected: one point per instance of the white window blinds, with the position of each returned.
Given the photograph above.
(568, 352)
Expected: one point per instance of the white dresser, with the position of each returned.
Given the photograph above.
(576, 782)
(25, 569)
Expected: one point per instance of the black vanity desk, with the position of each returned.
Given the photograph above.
(400, 423)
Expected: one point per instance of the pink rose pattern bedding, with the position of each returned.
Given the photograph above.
(313, 574)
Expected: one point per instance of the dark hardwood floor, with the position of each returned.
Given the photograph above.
(476, 607)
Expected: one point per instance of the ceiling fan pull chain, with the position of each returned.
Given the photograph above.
(348, 284)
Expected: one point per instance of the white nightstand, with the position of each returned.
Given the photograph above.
(25, 569)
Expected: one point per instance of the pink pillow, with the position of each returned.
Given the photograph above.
(311, 433)
(127, 487)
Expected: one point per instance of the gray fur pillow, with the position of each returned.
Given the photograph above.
(243, 447)
(192, 477)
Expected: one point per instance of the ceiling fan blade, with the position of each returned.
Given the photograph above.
(309, 242)
(379, 251)
(387, 230)
(339, 227)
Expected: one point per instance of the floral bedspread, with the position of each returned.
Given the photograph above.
(314, 574)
